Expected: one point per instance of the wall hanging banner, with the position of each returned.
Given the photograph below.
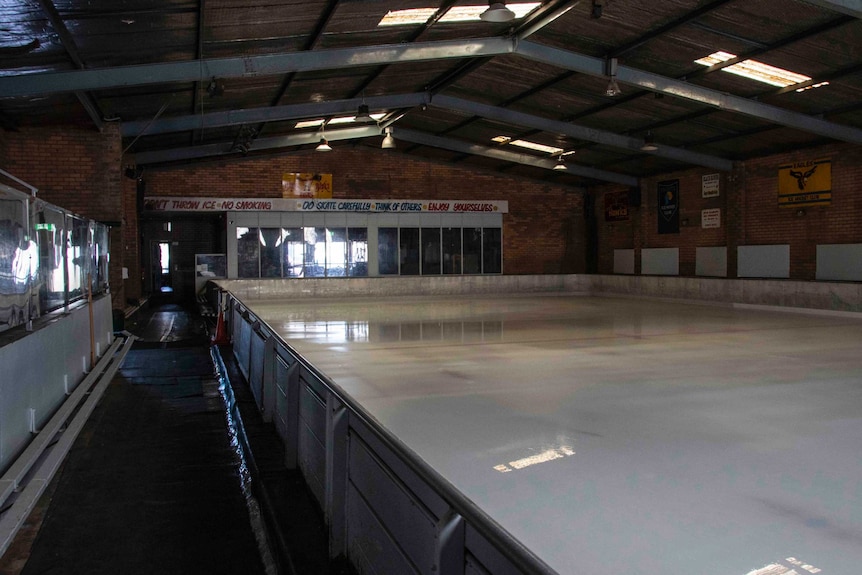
(668, 207)
(617, 207)
(159, 204)
(306, 185)
(805, 184)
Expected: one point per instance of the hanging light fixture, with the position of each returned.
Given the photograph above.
(560, 165)
(613, 88)
(649, 143)
(497, 12)
(362, 114)
(388, 140)
(323, 146)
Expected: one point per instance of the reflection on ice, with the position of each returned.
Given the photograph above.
(383, 332)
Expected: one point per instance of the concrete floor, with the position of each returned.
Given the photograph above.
(614, 435)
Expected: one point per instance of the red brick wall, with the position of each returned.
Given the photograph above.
(749, 213)
(542, 233)
(76, 169)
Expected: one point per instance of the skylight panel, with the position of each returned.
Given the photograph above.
(308, 124)
(755, 70)
(454, 14)
(529, 145)
(404, 17)
(349, 119)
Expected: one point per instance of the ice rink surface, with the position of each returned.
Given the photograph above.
(617, 435)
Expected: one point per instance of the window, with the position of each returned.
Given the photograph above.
(336, 252)
(472, 250)
(315, 252)
(270, 252)
(430, 251)
(409, 251)
(293, 251)
(387, 251)
(248, 252)
(451, 250)
(492, 251)
(357, 252)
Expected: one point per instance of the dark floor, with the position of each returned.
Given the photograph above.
(152, 484)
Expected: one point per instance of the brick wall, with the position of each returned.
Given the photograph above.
(749, 213)
(76, 169)
(542, 233)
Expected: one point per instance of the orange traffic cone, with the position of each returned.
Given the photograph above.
(221, 336)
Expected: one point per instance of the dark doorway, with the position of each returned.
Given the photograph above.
(170, 243)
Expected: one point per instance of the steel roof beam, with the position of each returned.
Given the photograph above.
(849, 7)
(685, 90)
(507, 156)
(210, 150)
(249, 66)
(271, 114)
(578, 132)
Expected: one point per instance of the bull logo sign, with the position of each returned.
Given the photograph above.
(804, 184)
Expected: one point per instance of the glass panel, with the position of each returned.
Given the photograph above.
(451, 250)
(492, 250)
(18, 263)
(336, 252)
(293, 251)
(101, 256)
(270, 252)
(430, 251)
(472, 250)
(357, 252)
(387, 251)
(50, 226)
(409, 249)
(248, 252)
(77, 255)
(315, 252)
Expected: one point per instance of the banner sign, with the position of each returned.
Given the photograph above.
(164, 204)
(805, 184)
(710, 218)
(668, 207)
(710, 185)
(306, 185)
(616, 206)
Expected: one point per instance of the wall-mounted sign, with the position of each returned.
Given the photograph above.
(710, 218)
(616, 206)
(805, 184)
(710, 185)
(306, 185)
(164, 204)
(668, 207)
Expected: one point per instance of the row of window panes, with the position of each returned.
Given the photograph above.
(340, 252)
(435, 251)
(302, 252)
(45, 262)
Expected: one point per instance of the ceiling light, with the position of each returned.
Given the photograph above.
(323, 146)
(649, 144)
(388, 140)
(560, 165)
(497, 12)
(362, 114)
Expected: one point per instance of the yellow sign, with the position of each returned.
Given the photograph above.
(306, 186)
(805, 184)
